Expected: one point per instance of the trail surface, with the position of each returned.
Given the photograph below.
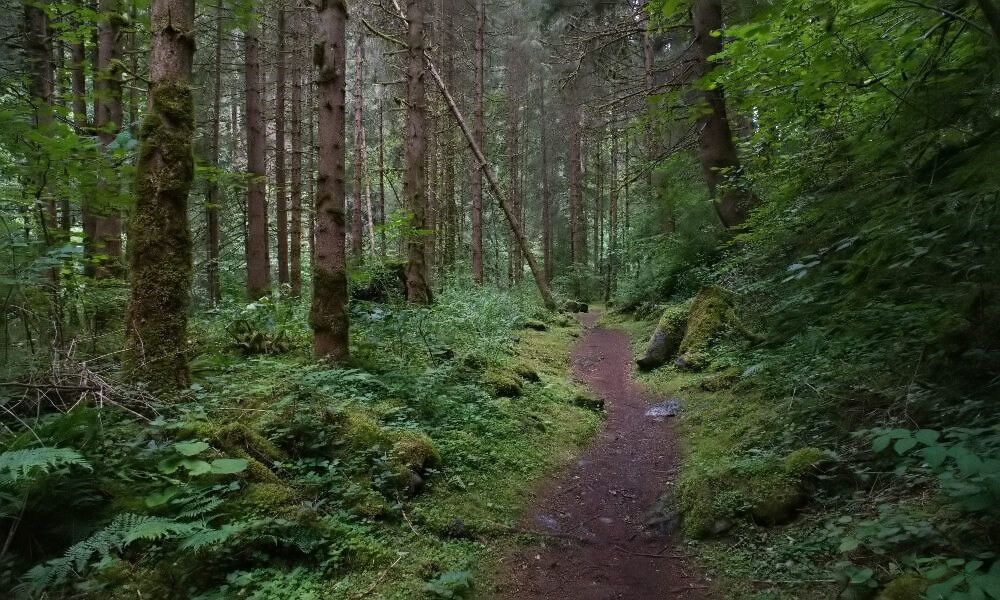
(601, 543)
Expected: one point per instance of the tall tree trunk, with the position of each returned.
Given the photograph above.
(78, 59)
(480, 139)
(295, 189)
(280, 189)
(258, 264)
(107, 230)
(38, 49)
(513, 163)
(357, 239)
(717, 152)
(417, 290)
(214, 199)
(549, 267)
(381, 175)
(159, 239)
(578, 229)
(328, 316)
(611, 280)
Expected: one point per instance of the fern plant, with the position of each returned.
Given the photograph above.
(19, 465)
(126, 529)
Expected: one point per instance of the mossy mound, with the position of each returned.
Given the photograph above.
(904, 587)
(803, 461)
(708, 314)
(527, 372)
(415, 450)
(535, 325)
(268, 499)
(502, 383)
(573, 306)
(666, 339)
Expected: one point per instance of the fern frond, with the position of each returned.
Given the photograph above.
(124, 530)
(16, 465)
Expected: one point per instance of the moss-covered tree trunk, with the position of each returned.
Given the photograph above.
(417, 290)
(329, 304)
(214, 199)
(159, 238)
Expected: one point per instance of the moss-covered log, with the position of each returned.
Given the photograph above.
(666, 338)
(159, 237)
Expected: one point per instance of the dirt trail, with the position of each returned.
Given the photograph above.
(600, 547)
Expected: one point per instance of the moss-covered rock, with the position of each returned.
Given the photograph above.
(502, 383)
(708, 314)
(803, 461)
(357, 429)
(904, 587)
(666, 338)
(574, 307)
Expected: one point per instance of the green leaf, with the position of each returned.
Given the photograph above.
(902, 446)
(881, 443)
(190, 448)
(935, 455)
(927, 436)
(848, 544)
(229, 466)
(196, 466)
(161, 497)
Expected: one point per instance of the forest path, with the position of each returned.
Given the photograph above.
(596, 511)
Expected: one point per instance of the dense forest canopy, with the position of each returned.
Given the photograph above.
(285, 283)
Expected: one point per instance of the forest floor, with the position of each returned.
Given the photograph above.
(605, 537)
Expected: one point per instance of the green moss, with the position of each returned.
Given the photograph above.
(240, 437)
(357, 429)
(268, 499)
(905, 587)
(705, 319)
(535, 324)
(415, 450)
(526, 372)
(502, 383)
(803, 461)
(721, 381)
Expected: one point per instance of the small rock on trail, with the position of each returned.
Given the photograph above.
(595, 538)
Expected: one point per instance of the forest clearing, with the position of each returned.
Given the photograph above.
(500, 299)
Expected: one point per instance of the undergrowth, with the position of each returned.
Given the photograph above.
(275, 477)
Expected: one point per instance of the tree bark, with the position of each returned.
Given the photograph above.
(357, 239)
(578, 230)
(381, 176)
(78, 59)
(328, 315)
(258, 267)
(513, 164)
(214, 199)
(480, 139)
(549, 266)
(417, 290)
(159, 239)
(106, 233)
(295, 188)
(280, 189)
(717, 152)
(611, 280)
